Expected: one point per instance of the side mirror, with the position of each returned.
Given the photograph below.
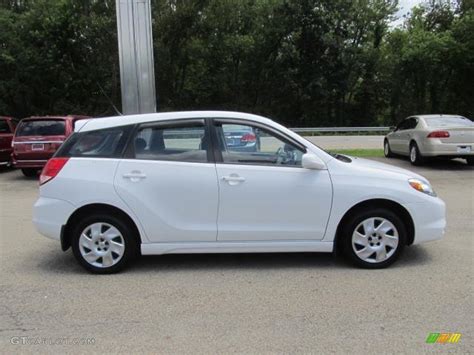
(313, 162)
(393, 128)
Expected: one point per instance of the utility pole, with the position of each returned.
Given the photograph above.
(135, 44)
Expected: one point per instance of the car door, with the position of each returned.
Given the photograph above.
(395, 138)
(264, 193)
(406, 135)
(168, 178)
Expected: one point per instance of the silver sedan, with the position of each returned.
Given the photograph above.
(425, 136)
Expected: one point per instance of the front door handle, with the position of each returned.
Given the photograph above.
(134, 176)
(233, 179)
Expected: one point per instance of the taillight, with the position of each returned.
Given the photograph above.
(248, 138)
(51, 169)
(438, 134)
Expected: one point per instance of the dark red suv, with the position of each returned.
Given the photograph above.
(37, 139)
(7, 127)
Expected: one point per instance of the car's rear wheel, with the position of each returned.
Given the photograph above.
(386, 149)
(103, 244)
(373, 239)
(30, 172)
(470, 161)
(415, 156)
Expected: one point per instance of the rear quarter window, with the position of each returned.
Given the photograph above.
(41, 128)
(104, 143)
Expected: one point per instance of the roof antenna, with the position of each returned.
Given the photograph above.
(108, 98)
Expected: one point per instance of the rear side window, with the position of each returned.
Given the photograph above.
(4, 127)
(104, 143)
(41, 128)
(186, 144)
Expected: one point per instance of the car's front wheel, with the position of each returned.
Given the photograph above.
(103, 244)
(374, 238)
(386, 149)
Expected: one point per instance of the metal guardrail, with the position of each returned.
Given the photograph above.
(340, 129)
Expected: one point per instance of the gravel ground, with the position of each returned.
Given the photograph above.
(237, 303)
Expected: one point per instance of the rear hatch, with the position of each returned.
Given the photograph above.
(38, 139)
(237, 136)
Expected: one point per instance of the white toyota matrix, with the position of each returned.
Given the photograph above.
(224, 182)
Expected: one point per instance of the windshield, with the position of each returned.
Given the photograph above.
(41, 128)
(338, 156)
(448, 122)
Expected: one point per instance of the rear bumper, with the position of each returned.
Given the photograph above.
(5, 156)
(435, 148)
(18, 163)
(429, 219)
(49, 215)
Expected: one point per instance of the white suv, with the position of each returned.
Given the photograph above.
(173, 183)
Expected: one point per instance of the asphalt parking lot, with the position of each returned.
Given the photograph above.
(245, 303)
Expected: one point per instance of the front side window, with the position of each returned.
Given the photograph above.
(402, 125)
(246, 144)
(41, 128)
(186, 144)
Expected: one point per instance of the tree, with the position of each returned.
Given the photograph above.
(304, 63)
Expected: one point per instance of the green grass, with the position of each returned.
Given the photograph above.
(359, 152)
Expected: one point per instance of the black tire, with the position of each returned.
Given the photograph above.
(30, 172)
(386, 149)
(350, 227)
(414, 155)
(470, 161)
(130, 241)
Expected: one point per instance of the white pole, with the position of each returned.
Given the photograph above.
(135, 42)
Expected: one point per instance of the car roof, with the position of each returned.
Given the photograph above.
(66, 117)
(108, 122)
(438, 116)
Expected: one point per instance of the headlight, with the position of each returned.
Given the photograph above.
(422, 186)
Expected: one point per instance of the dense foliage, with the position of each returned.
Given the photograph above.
(305, 62)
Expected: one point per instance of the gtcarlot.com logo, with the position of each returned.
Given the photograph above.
(51, 341)
(443, 338)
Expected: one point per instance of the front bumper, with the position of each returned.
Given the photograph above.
(49, 215)
(429, 219)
